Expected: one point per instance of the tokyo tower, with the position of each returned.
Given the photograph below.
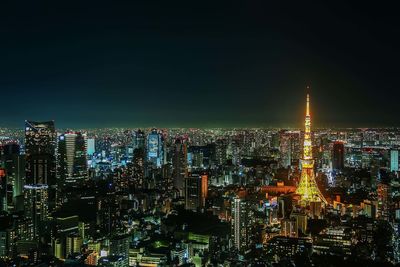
(308, 189)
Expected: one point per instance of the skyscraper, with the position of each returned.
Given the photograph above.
(179, 164)
(289, 147)
(72, 161)
(307, 188)
(91, 146)
(241, 224)
(196, 189)
(384, 200)
(338, 156)
(40, 145)
(3, 190)
(14, 164)
(394, 160)
(36, 205)
(138, 139)
(155, 153)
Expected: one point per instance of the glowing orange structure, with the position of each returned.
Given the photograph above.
(308, 189)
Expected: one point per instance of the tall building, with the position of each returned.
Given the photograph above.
(289, 147)
(307, 188)
(394, 160)
(3, 190)
(338, 156)
(242, 218)
(196, 189)
(384, 201)
(72, 161)
(14, 165)
(91, 146)
(155, 153)
(40, 145)
(138, 139)
(220, 151)
(36, 205)
(179, 164)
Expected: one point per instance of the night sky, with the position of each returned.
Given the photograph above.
(198, 64)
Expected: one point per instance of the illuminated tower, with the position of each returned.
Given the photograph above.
(308, 189)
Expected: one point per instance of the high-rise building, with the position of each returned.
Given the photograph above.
(242, 218)
(36, 205)
(3, 190)
(338, 156)
(155, 153)
(220, 151)
(196, 189)
(14, 165)
(40, 145)
(289, 147)
(138, 139)
(308, 188)
(394, 160)
(179, 164)
(72, 161)
(91, 146)
(384, 200)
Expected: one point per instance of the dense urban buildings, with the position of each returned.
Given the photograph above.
(199, 197)
(199, 134)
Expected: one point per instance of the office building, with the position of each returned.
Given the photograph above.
(179, 164)
(155, 148)
(138, 139)
(40, 146)
(394, 160)
(14, 165)
(71, 157)
(3, 190)
(338, 156)
(36, 205)
(91, 146)
(196, 189)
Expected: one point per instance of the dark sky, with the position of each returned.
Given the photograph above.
(198, 63)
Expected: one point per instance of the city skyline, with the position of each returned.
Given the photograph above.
(199, 134)
(138, 64)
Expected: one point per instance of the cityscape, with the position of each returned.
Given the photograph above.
(199, 197)
(196, 134)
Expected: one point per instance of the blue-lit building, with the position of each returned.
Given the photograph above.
(91, 150)
(155, 151)
(394, 160)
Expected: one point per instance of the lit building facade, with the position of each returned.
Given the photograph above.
(36, 205)
(40, 145)
(180, 164)
(155, 153)
(394, 160)
(242, 219)
(72, 157)
(196, 188)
